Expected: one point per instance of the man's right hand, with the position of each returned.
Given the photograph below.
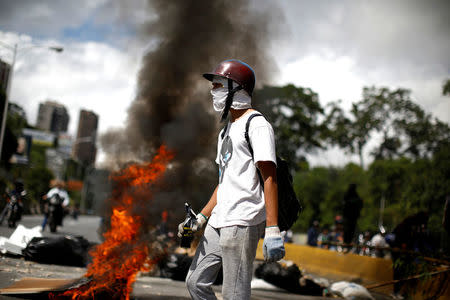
(199, 222)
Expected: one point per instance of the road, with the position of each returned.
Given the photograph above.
(85, 226)
(146, 287)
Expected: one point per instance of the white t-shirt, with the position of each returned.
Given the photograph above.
(240, 196)
(62, 193)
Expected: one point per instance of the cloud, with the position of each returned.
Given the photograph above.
(373, 32)
(99, 20)
(333, 47)
(93, 76)
(44, 17)
(338, 47)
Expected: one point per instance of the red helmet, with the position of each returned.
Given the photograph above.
(237, 71)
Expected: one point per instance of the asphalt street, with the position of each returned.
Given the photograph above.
(13, 268)
(85, 226)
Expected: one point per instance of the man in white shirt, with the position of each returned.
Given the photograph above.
(240, 209)
(59, 190)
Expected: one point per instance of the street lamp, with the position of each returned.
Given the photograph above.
(14, 50)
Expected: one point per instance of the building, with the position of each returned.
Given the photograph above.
(52, 117)
(96, 192)
(84, 149)
(4, 75)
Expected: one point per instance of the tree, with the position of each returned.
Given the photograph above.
(16, 121)
(404, 127)
(446, 88)
(294, 113)
(352, 133)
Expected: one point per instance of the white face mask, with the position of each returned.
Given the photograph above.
(241, 100)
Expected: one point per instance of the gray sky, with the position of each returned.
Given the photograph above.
(333, 47)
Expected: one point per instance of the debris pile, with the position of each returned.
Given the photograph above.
(68, 250)
(288, 276)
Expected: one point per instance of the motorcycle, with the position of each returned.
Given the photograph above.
(55, 212)
(13, 209)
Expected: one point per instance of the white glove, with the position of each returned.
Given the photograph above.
(273, 246)
(201, 221)
(198, 224)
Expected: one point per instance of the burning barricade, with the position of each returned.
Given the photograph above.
(126, 249)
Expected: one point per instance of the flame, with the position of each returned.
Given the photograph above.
(117, 261)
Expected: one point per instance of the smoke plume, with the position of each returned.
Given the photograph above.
(173, 104)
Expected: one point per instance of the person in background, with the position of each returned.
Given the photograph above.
(288, 236)
(14, 203)
(313, 234)
(324, 238)
(364, 243)
(378, 241)
(57, 190)
(351, 210)
(337, 234)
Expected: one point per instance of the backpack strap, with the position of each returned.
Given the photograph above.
(224, 131)
(247, 138)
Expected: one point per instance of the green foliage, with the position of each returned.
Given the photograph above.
(37, 155)
(407, 186)
(294, 113)
(446, 88)
(16, 120)
(37, 182)
(322, 191)
(405, 128)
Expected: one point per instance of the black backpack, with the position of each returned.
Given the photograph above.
(289, 207)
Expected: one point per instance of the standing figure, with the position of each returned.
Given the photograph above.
(242, 208)
(313, 234)
(351, 210)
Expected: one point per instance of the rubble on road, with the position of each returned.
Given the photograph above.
(350, 290)
(19, 239)
(287, 275)
(68, 250)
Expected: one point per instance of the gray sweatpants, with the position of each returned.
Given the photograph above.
(232, 247)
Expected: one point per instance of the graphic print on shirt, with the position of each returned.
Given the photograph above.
(226, 152)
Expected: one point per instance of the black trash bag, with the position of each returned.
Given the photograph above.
(288, 278)
(65, 250)
(176, 266)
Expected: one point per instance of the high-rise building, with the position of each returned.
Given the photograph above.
(84, 149)
(52, 117)
(4, 75)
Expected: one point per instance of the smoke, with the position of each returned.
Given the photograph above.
(173, 104)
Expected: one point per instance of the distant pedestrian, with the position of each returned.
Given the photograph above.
(313, 234)
(378, 241)
(324, 238)
(351, 211)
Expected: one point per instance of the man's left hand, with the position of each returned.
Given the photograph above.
(273, 246)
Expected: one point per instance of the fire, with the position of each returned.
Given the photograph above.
(117, 261)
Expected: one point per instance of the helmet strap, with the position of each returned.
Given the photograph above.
(229, 100)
